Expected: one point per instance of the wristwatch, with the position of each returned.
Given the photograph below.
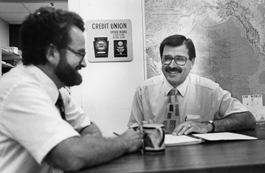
(212, 123)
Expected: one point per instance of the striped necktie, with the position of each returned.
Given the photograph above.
(172, 112)
(60, 105)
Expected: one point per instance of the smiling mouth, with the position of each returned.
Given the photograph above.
(173, 72)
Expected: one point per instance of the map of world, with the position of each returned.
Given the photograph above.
(229, 37)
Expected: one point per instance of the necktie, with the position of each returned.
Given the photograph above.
(60, 105)
(172, 112)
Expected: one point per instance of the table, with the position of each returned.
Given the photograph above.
(221, 156)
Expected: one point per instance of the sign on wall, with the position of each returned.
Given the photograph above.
(109, 40)
(254, 103)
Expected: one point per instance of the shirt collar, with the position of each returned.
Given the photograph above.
(46, 81)
(167, 86)
(182, 88)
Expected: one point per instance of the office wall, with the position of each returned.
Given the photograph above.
(14, 35)
(4, 33)
(4, 38)
(108, 87)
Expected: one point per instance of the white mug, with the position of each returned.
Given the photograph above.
(154, 137)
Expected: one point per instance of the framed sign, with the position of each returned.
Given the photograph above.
(109, 40)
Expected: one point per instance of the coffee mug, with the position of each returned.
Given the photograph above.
(154, 137)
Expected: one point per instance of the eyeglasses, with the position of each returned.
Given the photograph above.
(179, 60)
(80, 54)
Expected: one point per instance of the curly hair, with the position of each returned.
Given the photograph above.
(46, 26)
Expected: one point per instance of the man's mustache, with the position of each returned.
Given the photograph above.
(177, 69)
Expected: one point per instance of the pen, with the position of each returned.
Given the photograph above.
(116, 134)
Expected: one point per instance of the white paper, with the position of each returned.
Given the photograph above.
(224, 136)
(171, 140)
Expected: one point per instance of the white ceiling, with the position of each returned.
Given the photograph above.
(15, 12)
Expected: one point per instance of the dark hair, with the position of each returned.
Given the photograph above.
(44, 27)
(178, 40)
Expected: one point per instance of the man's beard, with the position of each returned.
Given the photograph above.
(67, 74)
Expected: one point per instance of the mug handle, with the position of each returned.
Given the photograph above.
(162, 132)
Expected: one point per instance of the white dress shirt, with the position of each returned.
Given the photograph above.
(30, 124)
(198, 97)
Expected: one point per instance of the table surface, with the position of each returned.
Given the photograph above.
(218, 156)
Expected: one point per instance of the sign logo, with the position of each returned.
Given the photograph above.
(101, 46)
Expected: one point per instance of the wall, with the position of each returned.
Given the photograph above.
(4, 38)
(4, 33)
(14, 35)
(107, 90)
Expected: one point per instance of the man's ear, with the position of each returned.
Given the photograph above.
(52, 54)
(193, 62)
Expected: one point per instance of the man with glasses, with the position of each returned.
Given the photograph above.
(35, 136)
(199, 105)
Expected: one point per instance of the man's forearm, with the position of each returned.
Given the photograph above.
(235, 122)
(85, 152)
(78, 152)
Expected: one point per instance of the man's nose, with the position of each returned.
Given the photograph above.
(173, 63)
(83, 62)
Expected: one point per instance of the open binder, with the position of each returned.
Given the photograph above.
(171, 140)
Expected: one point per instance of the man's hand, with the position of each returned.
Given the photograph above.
(132, 139)
(192, 127)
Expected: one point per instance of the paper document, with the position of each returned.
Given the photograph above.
(224, 136)
(171, 140)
